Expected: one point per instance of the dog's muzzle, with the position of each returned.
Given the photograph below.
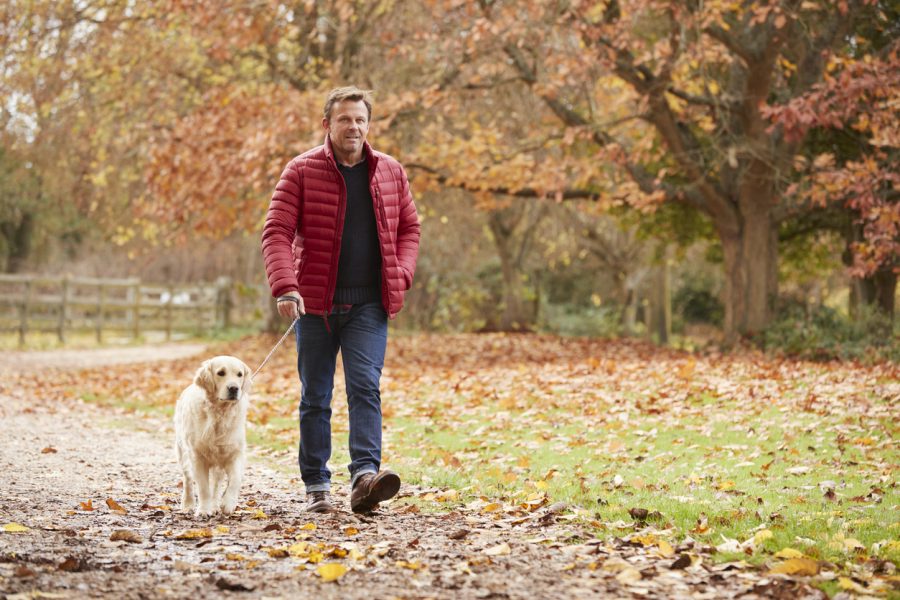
(232, 392)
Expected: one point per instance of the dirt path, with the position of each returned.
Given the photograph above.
(62, 463)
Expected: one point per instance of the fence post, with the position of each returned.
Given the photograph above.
(101, 305)
(136, 310)
(23, 313)
(63, 310)
(224, 303)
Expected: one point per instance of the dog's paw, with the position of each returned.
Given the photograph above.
(206, 511)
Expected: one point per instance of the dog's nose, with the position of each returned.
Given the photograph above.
(232, 391)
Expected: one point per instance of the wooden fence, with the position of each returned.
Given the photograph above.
(35, 303)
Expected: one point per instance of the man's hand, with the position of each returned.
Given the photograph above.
(291, 308)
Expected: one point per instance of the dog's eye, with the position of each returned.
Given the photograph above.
(240, 374)
(221, 373)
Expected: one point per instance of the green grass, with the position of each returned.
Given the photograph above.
(695, 468)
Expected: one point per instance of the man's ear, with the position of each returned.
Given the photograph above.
(204, 378)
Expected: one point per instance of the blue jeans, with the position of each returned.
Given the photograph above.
(360, 334)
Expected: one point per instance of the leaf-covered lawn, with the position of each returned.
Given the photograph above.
(788, 465)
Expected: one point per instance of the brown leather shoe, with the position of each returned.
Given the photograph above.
(319, 502)
(370, 489)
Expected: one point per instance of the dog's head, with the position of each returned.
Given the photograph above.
(224, 378)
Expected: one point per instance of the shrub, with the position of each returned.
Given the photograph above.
(824, 334)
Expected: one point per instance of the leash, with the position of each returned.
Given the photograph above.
(272, 351)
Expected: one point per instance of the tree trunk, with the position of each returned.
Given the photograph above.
(751, 274)
(18, 242)
(885, 290)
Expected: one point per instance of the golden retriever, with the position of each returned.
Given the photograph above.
(210, 440)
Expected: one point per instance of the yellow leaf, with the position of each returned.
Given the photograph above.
(788, 553)
(852, 544)
(15, 528)
(762, 536)
(259, 514)
(498, 550)
(797, 566)
(541, 485)
(221, 529)
(278, 552)
(351, 531)
(629, 575)
(234, 556)
(447, 496)
(193, 534)
(309, 527)
(414, 565)
(845, 583)
(665, 549)
(331, 571)
(299, 549)
(492, 507)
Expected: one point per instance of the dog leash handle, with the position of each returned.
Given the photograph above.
(272, 351)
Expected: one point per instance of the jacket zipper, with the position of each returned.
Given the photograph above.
(385, 287)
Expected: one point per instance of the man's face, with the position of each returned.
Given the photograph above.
(348, 127)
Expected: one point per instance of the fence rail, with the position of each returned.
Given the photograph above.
(37, 303)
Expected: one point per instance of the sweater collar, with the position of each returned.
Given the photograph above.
(368, 152)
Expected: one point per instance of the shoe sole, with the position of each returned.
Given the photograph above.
(385, 487)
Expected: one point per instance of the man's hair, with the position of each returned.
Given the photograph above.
(351, 93)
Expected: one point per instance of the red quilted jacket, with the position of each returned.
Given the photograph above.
(301, 239)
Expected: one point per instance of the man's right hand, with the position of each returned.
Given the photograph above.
(290, 308)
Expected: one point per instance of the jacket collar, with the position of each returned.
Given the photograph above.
(368, 152)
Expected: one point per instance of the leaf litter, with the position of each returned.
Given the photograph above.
(514, 546)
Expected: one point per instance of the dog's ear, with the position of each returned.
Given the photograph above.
(204, 378)
(248, 382)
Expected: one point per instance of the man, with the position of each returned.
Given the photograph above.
(340, 243)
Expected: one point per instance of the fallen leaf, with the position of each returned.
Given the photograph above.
(194, 534)
(125, 535)
(682, 562)
(351, 531)
(665, 549)
(629, 575)
(115, 507)
(23, 571)
(89, 505)
(331, 571)
(73, 564)
(797, 566)
(788, 553)
(259, 514)
(278, 552)
(414, 565)
(15, 528)
(309, 527)
(232, 585)
(49, 450)
(502, 549)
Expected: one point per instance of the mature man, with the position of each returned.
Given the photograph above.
(340, 244)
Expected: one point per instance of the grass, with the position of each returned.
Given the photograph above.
(700, 472)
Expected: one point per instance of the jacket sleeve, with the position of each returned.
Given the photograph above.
(282, 220)
(408, 229)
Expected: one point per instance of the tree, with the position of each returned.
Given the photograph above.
(697, 76)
